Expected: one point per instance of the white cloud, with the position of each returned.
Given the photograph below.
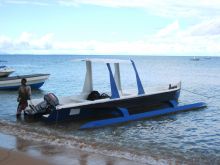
(28, 2)
(202, 38)
(25, 42)
(199, 39)
(172, 8)
(24, 37)
(206, 28)
(168, 30)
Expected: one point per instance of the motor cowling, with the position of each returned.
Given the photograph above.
(50, 102)
(51, 99)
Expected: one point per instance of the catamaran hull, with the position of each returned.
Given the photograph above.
(120, 111)
(117, 109)
(13, 83)
(111, 107)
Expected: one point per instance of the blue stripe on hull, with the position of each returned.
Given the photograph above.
(33, 86)
(64, 114)
(127, 117)
(58, 115)
(37, 86)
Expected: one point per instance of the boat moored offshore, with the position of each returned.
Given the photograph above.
(13, 82)
(5, 71)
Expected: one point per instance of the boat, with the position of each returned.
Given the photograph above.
(195, 58)
(5, 71)
(13, 82)
(102, 109)
(207, 58)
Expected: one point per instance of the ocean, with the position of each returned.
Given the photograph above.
(191, 137)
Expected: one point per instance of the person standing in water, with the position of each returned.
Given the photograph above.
(24, 94)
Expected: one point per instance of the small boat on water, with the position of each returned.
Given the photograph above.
(117, 106)
(13, 82)
(5, 71)
(195, 58)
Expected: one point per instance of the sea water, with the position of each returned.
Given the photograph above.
(191, 137)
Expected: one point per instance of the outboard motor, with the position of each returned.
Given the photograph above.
(50, 102)
(51, 99)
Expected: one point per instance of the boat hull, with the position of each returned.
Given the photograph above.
(13, 83)
(120, 107)
(141, 100)
(114, 113)
(5, 73)
(111, 108)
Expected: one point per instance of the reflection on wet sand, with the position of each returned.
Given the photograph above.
(67, 156)
(83, 159)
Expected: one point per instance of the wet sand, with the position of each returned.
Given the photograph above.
(10, 157)
(15, 151)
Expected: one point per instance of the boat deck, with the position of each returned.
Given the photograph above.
(81, 99)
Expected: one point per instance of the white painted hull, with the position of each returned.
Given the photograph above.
(6, 72)
(16, 81)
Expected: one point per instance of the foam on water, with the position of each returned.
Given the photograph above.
(55, 138)
(60, 138)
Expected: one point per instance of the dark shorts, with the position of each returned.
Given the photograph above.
(21, 106)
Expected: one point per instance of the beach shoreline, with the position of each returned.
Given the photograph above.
(11, 157)
(15, 150)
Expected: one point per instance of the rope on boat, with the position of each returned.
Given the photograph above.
(199, 94)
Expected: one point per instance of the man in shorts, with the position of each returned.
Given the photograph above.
(24, 94)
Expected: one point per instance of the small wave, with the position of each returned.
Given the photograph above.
(57, 138)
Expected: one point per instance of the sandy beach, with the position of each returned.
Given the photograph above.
(11, 157)
(15, 151)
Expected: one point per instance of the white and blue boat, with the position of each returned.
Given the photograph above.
(118, 106)
(5, 71)
(13, 82)
(195, 58)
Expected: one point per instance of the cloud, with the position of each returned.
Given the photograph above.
(168, 30)
(25, 42)
(200, 39)
(199, 9)
(206, 28)
(68, 3)
(5, 43)
(166, 8)
(27, 2)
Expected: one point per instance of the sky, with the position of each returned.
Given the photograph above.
(110, 27)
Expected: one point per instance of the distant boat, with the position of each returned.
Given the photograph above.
(207, 58)
(195, 58)
(5, 71)
(34, 80)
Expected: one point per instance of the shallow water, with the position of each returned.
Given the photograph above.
(188, 137)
